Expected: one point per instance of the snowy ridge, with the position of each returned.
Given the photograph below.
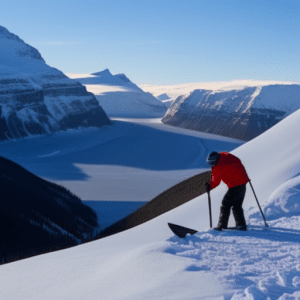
(242, 113)
(119, 97)
(174, 91)
(35, 98)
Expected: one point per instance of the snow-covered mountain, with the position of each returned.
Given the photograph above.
(243, 111)
(105, 78)
(36, 98)
(120, 97)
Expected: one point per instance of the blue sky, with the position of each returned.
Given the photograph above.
(163, 41)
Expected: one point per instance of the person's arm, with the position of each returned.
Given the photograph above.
(215, 180)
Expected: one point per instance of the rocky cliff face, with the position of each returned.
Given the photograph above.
(36, 98)
(243, 114)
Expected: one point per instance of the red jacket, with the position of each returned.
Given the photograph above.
(229, 169)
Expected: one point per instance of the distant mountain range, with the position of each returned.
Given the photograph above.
(241, 112)
(36, 98)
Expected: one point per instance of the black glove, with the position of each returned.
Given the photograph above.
(207, 187)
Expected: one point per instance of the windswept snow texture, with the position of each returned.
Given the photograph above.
(257, 264)
(119, 97)
(148, 262)
(38, 99)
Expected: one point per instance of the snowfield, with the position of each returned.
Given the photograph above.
(148, 262)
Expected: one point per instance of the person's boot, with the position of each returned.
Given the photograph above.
(238, 214)
(223, 218)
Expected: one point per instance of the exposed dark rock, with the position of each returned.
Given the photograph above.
(37, 216)
(169, 199)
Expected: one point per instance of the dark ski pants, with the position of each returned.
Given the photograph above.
(233, 199)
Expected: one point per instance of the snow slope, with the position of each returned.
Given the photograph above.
(119, 97)
(148, 262)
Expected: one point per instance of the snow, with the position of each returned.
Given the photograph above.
(241, 259)
(119, 97)
(272, 96)
(50, 154)
(129, 151)
(174, 91)
(27, 61)
(135, 159)
(35, 93)
(284, 201)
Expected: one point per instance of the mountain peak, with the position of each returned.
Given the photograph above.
(12, 47)
(28, 109)
(105, 73)
(5, 33)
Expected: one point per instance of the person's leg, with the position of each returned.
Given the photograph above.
(224, 211)
(233, 198)
(223, 218)
(237, 209)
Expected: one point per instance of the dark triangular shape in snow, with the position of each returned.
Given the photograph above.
(181, 231)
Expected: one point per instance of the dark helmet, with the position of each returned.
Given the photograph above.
(213, 158)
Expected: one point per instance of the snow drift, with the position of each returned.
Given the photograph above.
(284, 201)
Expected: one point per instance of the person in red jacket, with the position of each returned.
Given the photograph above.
(229, 169)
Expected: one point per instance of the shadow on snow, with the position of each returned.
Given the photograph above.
(122, 144)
